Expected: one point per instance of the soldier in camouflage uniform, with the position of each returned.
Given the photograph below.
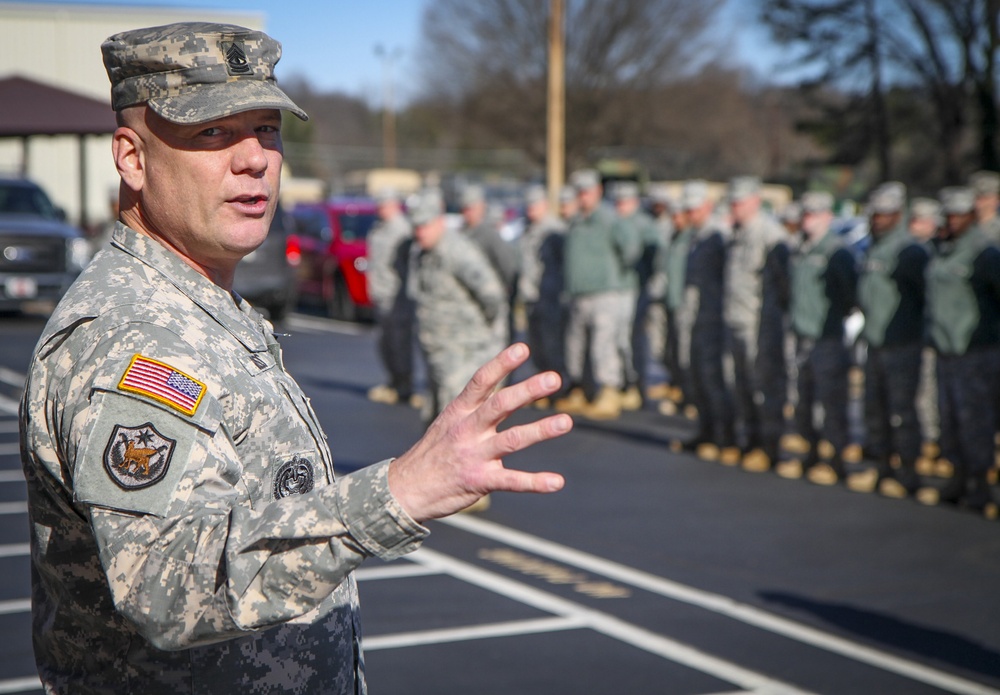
(756, 304)
(824, 280)
(925, 220)
(388, 261)
(700, 326)
(540, 283)
(891, 295)
(986, 186)
(963, 298)
(188, 533)
(459, 297)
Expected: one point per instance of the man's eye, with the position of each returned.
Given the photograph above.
(210, 132)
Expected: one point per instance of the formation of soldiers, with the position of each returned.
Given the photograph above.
(756, 325)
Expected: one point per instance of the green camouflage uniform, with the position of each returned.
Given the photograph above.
(188, 534)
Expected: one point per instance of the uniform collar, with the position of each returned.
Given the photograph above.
(229, 309)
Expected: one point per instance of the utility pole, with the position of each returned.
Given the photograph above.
(556, 128)
(388, 107)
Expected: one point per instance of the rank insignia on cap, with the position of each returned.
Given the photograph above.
(236, 58)
(137, 457)
(162, 383)
(294, 477)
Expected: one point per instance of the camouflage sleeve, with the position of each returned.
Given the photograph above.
(472, 269)
(193, 552)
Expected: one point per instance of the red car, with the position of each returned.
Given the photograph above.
(329, 247)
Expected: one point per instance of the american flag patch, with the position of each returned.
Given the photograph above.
(162, 383)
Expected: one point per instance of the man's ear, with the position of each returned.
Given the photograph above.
(129, 156)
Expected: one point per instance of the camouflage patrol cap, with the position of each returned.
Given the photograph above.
(957, 200)
(567, 194)
(985, 183)
(925, 207)
(887, 199)
(816, 201)
(473, 194)
(743, 187)
(694, 194)
(535, 194)
(585, 179)
(425, 206)
(193, 72)
(626, 190)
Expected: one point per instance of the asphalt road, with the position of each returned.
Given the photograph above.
(652, 572)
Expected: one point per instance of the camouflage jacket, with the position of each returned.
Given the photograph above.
(388, 260)
(188, 534)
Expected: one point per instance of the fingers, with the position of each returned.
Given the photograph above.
(523, 436)
(486, 379)
(507, 480)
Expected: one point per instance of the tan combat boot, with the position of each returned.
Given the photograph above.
(573, 403)
(607, 405)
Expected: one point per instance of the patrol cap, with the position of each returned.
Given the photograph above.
(567, 194)
(626, 190)
(957, 200)
(585, 179)
(425, 206)
(535, 194)
(742, 187)
(193, 72)
(694, 194)
(925, 207)
(985, 183)
(816, 201)
(791, 213)
(660, 194)
(887, 199)
(387, 195)
(473, 194)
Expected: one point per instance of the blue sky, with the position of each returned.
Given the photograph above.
(333, 42)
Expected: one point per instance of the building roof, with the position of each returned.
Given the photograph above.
(28, 108)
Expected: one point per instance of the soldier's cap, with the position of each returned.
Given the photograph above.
(742, 187)
(694, 194)
(957, 200)
(985, 183)
(791, 213)
(925, 207)
(567, 194)
(816, 201)
(193, 72)
(535, 194)
(387, 195)
(585, 179)
(661, 194)
(472, 194)
(425, 206)
(887, 199)
(626, 190)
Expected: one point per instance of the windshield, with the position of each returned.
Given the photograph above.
(19, 199)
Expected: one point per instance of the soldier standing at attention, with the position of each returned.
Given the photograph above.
(540, 282)
(599, 254)
(458, 296)
(637, 297)
(963, 298)
(925, 220)
(656, 321)
(568, 207)
(756, 303)
(388, 262)
(824, 280)
(188, 532)
(891, 294)
(700, 327)
(986, 186)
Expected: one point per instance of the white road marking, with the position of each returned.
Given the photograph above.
(9, 376)
(15, 550)
(462, 634)
(605, 624)
(20, 685)
(11, 477)
(721, 605)
(10, 449)
(20, 605)
(8, 426)
(14, 507)
(367, 574)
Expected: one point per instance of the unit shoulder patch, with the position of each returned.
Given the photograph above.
(163, 383)
(137, 457)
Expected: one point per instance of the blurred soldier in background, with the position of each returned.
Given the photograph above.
(824, 282)
(483, 230)
(673, 267)
(963, 296)
(458, 297)
(637, 297)
(567, 204)
(755, 305)
(891, 294)
(656, 317)
(599, 254)
(700, 327)
(388, 262)
(986, 186)
(925, 219)
(540, 283)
